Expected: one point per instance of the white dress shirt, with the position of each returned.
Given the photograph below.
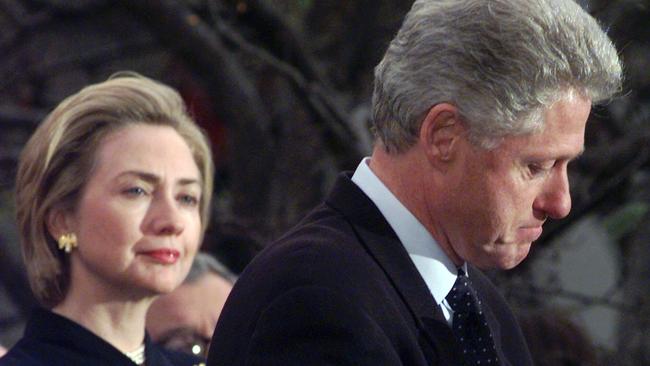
(437, 270)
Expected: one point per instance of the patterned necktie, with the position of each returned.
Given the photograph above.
(469, 324)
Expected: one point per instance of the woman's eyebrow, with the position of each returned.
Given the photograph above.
(155, 179)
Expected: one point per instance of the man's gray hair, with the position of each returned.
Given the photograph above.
(500, 62)
(204, 263)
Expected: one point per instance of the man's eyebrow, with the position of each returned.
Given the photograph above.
(550, 156)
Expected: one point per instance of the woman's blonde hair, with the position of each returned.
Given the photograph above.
(59, 157)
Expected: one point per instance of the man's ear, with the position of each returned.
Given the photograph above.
(440, 132)
(59, 222)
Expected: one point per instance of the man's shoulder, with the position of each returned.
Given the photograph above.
(323, 250)
(320, 279)
(324, 241)
(323, 229)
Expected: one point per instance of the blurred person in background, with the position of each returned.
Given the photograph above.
(112, 195)
(184, 319)
(478, 108)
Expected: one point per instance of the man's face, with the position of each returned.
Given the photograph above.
(185, 318)
(497, 201)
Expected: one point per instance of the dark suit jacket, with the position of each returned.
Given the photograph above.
(340, 289)
(53, 340)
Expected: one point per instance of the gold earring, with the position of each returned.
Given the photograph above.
(67, 242)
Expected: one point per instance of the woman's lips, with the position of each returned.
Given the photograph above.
(163, 256)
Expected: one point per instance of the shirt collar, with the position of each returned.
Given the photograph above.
(437, 270)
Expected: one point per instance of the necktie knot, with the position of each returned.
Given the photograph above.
(462, 298)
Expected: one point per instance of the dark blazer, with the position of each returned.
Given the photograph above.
(53, 340)
(340, 289)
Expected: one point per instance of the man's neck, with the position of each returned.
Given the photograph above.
(412, 181)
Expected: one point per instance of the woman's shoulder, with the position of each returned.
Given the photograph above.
(26, 353)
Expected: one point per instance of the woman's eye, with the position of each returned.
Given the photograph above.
(135, 191)
(189, 200)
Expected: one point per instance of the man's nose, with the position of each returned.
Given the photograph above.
(555, 199)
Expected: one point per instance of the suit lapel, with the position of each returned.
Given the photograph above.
(382, 244)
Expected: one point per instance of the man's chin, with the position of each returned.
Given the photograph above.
(505, 257)
(514, 259)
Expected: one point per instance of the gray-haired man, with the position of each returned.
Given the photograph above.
(478, 106)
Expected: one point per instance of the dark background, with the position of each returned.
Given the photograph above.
(282, 87)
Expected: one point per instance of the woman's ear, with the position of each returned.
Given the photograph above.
(440, 132)
(59, 222)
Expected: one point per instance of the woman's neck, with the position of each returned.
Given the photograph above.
(119, 322)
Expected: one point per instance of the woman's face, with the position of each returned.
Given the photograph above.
(137, 222)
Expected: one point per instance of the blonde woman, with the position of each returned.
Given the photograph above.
(113, 195)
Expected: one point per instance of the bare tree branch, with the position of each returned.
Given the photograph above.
(288, 44)
(339, 136)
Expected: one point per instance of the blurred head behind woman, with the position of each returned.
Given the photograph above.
(113, 197)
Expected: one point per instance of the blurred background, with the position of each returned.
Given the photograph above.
(283, 87)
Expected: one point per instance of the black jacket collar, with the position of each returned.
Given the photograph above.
(383, 245)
